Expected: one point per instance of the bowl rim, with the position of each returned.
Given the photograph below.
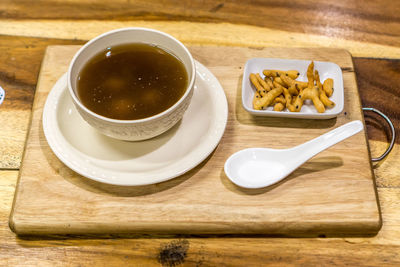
(189, 87)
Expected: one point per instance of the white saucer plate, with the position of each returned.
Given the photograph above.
(111, 161)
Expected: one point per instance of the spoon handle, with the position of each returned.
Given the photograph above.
(313, 147)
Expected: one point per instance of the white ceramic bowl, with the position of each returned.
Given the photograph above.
(308, 111)
(141, 129)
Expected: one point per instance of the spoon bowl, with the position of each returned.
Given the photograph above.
(261, 167)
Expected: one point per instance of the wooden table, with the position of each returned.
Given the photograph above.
(369, 30)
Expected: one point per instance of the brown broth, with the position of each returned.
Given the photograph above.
(131, 81)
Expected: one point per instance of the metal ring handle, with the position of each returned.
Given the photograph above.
(391, 128)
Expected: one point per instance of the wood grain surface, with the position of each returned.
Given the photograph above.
(20, 63)
(368, 29)
(340, 179)
(379, 79)
(18, 76)
(323, 17)
(197, 33)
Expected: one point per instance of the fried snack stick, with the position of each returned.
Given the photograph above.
(309, 93)
(300, 85)
(310, 75)
(288, 98)
(279, 81)
(279, 99)
(292, 89)
(263, 83)
(256, 97)
(291, 85)
(294, 85)
(260, 91)
(279, 107)
(322, 96)
(265, 101)
(269, 82)
(294, 99)
(276, 73)
(287, 80)
(328, 87)
(278, 85)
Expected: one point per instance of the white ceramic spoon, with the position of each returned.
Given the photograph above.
(2, 95)
(261, 167)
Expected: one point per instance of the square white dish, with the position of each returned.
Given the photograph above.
(326, 70)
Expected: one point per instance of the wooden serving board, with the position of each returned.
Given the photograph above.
(333, 194)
